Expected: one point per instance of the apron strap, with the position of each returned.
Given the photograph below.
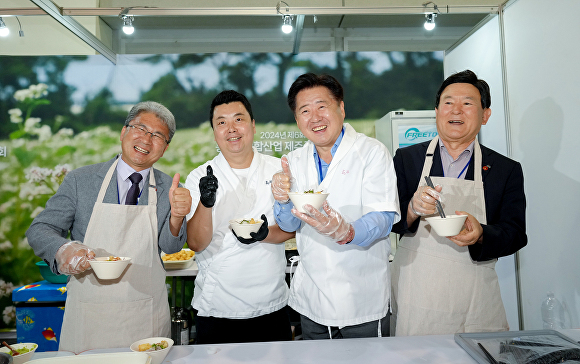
(106, 181)
(431, 151)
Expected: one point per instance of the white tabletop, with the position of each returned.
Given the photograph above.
(435, 349)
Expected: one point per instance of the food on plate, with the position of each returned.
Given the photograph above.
(180, 255)
(251, 221)
(113, 259)
(153, 347)
(22, 350)
(312, 191)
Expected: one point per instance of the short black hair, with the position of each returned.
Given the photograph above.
(467, 76)
(227, 97)
(310, 80)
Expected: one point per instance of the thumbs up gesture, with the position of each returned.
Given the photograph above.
(282, 182)
(179, 199)
(208, 186)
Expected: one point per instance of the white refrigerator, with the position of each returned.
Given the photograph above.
(400, 129)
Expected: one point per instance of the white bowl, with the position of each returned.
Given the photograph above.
(21, 358)
(157, 356)
(244, 230)
(299, 199)
(105, 269)
(451, 225)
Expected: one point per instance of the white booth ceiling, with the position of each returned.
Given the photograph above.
(181, 26)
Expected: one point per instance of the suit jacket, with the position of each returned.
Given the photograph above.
(505, 202)
(71, 207)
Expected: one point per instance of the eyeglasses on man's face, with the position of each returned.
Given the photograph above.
(141, 130)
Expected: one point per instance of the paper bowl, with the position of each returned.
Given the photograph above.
(22, 358)
(451, 225)
(299, 199)
(244, 230)
(157, 356)
(109, 270)
(177, 264)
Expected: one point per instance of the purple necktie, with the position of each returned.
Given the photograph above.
(133, 193)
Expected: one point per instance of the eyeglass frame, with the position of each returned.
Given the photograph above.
(143, 129)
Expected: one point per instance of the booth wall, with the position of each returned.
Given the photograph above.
(542, 57)
(480, 52)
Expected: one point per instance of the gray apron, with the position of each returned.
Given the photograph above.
(116, 313)
(437, 288)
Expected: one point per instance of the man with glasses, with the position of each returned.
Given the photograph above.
(116, 208)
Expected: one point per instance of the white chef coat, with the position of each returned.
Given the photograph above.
(344, 285)
(236, 280)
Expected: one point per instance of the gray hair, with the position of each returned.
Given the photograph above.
(156, 108)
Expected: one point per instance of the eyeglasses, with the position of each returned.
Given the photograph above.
(140, 130)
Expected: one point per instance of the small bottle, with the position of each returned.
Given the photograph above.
(552, 313)
(180, 327)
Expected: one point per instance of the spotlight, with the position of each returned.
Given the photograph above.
(128, 24)
(287, 24)
(4, 31)
(430, 21)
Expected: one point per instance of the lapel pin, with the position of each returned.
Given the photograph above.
(485, 168)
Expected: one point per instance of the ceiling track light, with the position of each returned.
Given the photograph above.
(430, 15)
(127, 21)
(4, 31)
(430, 21)
(286, 17)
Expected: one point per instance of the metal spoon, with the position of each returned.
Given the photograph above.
(439, 207)
(14, 352)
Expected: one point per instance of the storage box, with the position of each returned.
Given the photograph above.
(39, 313)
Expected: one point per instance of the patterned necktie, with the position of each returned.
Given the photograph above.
(133, 193)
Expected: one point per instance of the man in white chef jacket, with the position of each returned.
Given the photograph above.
(341, 286)
(122, 208)
(240, 291)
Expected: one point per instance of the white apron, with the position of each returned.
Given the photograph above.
(344, 285)
(437, 288)
(116, 313)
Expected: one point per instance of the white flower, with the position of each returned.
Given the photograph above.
(15, 115)
(44, 132)
(38, 90)
(5, 288)
(61, 170)
(9, 314)
(34, 213)
(37, 174)
(3, 246)
(17, 143)
(65, 132)
(30, 124)
(22, 95)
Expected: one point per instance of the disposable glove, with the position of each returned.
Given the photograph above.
(260, 235)
(282, 182)
(73, 257)
(208, 186)
(331, 224)
(423, 201)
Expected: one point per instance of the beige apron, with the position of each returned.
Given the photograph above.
(116, 313)
(437, 288)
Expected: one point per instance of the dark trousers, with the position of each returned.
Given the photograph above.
(274, 326)
(314, 331)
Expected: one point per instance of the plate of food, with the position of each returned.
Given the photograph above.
(181, 260)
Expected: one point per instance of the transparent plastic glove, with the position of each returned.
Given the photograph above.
(282, 182)
(257, 236)
(73, 257)
(423, 201)
(208, 186)
(330, 224)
